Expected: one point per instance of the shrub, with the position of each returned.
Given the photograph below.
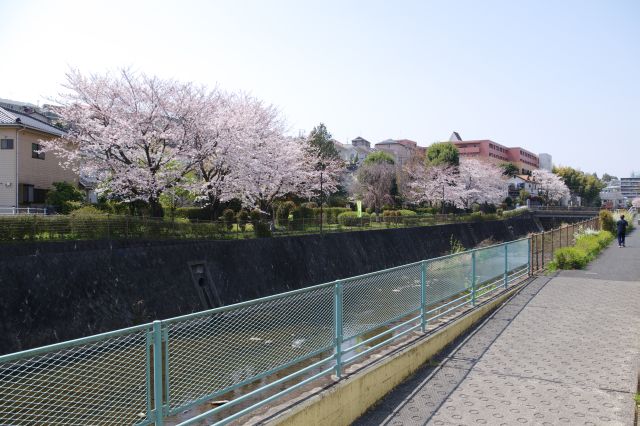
(456, 245)
(487, 208)
(330, 213)
(512, 213)
(303, 212)
(261, 230)
(194, 213)
(427, 210)
(283, 212)
(390, 216)
(18, 227)
(606, 221)
(65, 197)
(476, 216)
(570, 258)
(352, 219)
(242, 217)
(255, 215)
(228, 216)
(89, 223)
(88, 211)
(499, 212)
(588, 245)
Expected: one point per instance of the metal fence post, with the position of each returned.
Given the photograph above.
(529, 254)
(157, 373)
(542, 249)
(337, 310)
(473, 278)
(423, 296)
(506, 265)
(560, 238)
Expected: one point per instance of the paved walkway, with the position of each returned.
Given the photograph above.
(564, 350)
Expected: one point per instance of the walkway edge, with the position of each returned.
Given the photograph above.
(347, 400)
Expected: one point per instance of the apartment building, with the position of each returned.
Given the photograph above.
(630, 187)
(486, 149)
(26, 174)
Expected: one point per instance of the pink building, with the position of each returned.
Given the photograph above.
(486, 149)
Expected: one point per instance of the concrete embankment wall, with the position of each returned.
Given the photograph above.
(58, 291)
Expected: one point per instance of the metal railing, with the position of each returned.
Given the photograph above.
(250, 353)
(565, 208)
(544, 244)
(22, 210)
(69, 227)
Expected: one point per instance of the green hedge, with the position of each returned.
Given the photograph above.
(193, 213)
(330, 213)
(83, 226)
(586, 249)
(512, 213)
(352, 219)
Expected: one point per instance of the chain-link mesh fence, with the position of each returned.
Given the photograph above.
(214, 353)
(101, 382)
(379, 298)
(234, 351)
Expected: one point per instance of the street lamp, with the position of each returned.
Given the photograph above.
(321, 199)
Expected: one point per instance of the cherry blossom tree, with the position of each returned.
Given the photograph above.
(551, 187)
(132, 132)
(374, 183)
(479, 182)
(433, 184)
(636, 203)
(229, 127)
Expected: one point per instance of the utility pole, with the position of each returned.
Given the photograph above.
(321, 198)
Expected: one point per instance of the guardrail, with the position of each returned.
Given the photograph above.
(565, 208)
(249, 353)
(22, 210)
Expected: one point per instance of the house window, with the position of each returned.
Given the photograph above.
(34, 151)
(27, 193)
(6, 143)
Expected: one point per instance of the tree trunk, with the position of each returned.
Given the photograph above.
(156, 207)
(214, 207)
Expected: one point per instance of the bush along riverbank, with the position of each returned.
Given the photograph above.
(588, 244)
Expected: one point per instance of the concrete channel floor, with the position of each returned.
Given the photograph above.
(564, 350)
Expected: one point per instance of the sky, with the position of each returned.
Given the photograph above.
(560, 77)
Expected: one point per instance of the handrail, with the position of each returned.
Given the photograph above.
(148, 373)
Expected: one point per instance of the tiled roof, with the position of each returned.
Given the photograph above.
(14, 118)
(407, 142)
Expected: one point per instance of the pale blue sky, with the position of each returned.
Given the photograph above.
(561, 77)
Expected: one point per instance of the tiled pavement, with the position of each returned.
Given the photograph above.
(564, 350)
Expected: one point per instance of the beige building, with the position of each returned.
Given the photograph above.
(403, 151)
(25, 174)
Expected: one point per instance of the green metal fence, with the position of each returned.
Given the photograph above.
(18, 228)
(248, 354)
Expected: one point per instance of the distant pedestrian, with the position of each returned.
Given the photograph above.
(622, 229)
